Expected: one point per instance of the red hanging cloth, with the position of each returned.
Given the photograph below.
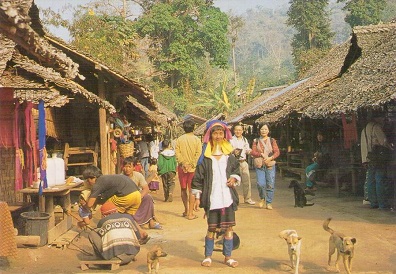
(350, 131)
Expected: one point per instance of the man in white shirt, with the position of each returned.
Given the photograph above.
(238, 141)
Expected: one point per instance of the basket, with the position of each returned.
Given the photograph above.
(126, 150)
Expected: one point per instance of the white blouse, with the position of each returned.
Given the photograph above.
(220, 195)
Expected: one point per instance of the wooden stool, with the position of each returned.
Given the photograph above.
(115, 264)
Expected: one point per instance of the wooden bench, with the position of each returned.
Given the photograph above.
(114, 263)
(295, 170)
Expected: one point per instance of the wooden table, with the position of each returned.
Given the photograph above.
(46, 204)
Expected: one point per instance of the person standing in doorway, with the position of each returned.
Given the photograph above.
(188, 149)
(266, 148)
(238, 141)
(372, 135)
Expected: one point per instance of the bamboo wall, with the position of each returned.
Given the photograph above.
(7, 175)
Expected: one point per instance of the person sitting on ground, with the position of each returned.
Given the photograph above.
(118, 188)
(145, 213)
(116, 236)
(167, 169)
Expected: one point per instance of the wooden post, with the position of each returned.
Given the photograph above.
(25, 241)
(49, 208)
(104, 142)
(353, 172)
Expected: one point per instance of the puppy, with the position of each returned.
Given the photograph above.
(294, 247)
(345, 247)
(299, 195)
(153, 258)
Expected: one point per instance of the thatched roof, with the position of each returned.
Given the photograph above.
(197, 119)
(201, 129)
(357, 74)
(49, 62)
(244, 112)
(33, 64)
(15, 23)
(303, 93)
(162, 116)
(89, 64)
(369, 82)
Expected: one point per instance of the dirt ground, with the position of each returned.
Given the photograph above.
(261, 250)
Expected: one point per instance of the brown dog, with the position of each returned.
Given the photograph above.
(293, 242)
(345, 247)
(153, 258)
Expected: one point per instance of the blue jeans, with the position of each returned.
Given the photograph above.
(145, 164)
(266, 183)
(376, 186)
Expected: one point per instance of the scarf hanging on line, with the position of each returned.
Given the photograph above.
(18, 151)
(42, 149)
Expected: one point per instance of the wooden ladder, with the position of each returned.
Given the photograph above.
(91, 156)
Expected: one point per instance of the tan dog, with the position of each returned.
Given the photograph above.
(345, 247)
(153, 258)
(294, 247)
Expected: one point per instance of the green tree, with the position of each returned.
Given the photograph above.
(388, 14)
(311, 21)
(363, 12)
(218, 99)
(109, 38)
(263, 49)
(181, 32)
(236, 23)
(105, 32)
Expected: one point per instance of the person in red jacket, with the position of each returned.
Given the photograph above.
(267, 149)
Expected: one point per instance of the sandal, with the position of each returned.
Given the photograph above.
(144, 240)
(231, 263)
(192, 218)
(156, 226)
(207, 262)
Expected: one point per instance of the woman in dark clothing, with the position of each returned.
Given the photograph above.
(213, 186)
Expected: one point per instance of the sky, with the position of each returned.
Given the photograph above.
(236, 7)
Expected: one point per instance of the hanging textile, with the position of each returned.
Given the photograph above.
(43, 151)
(350, 131)
(19, 157)
(30, 174)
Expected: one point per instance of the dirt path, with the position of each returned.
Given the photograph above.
(261, 250)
